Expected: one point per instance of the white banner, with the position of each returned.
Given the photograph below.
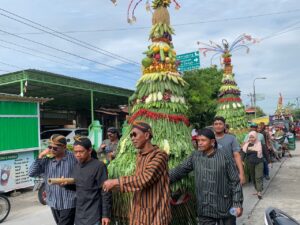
(14, 170)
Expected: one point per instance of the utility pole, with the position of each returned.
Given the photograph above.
(251, 99)
(254, 96)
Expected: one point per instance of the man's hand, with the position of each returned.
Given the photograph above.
(110, 184)
(63, 183)
(239, 212)
(105, 221)
(242, 179)
(44, 153)
(103, 146)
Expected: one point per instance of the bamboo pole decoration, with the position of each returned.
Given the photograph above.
(61, 181)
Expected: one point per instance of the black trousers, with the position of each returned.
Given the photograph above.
(64, 216)
(203, 220)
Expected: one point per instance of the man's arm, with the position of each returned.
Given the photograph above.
(182, 170)
(152, 172)
(234, 183)
(38, 166)
(238, 159)
(239, 164)
(106, 196)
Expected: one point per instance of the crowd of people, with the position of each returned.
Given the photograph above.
(221, 166)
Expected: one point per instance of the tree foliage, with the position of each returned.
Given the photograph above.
(202, 94)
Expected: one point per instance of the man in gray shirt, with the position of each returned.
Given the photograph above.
(229, 144)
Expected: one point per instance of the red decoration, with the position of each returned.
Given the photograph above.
(229, 100)
(156, 116)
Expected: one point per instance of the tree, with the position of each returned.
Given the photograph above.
(202, 94)
(296, 114)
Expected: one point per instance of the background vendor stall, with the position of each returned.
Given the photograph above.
(19, 134)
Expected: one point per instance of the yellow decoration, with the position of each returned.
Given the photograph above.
(155, 49)
(166, 48)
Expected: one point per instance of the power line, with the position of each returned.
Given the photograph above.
(66, 52)
(27, 53)
(35, 50)
(11, 65)
(176, 25)
(282, 31)
(41, 52)
(68, 38)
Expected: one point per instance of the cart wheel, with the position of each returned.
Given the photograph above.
(42, 194)
(4, 207)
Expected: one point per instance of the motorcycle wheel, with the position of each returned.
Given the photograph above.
(4, 207)
(42, 194)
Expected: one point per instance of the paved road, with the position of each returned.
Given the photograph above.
(27, 210)
(282, 191)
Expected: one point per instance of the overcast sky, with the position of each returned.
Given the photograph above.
(104, 26)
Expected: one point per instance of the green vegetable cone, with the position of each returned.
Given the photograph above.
(159, 101)
(230, 105)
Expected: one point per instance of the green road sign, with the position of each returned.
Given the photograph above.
(189, 61)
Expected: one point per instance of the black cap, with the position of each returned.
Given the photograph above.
(83, 141)
(58, 139)
(112, 130)
(143, 126)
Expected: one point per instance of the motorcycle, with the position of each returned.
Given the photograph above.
(274, 216)
(4, 207)
(39, 185)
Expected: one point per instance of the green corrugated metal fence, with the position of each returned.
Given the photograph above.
(19, 127)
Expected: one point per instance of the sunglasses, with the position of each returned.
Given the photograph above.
(133, 134)
(52, 148)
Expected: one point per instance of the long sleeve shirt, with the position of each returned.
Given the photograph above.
(57, 197)
(150, 185)
(217, 182)
(92, 203)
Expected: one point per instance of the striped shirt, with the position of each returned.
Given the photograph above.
(217, 182)
(150, 185)
(57, 197)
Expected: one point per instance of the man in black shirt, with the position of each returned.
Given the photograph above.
(93, 206)
(217, 183)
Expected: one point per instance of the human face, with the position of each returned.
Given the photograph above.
(56, 150)
(252, 139)
(219, 126)
(139, 138)
(204, 143)
(82, 154)
(112, 136)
